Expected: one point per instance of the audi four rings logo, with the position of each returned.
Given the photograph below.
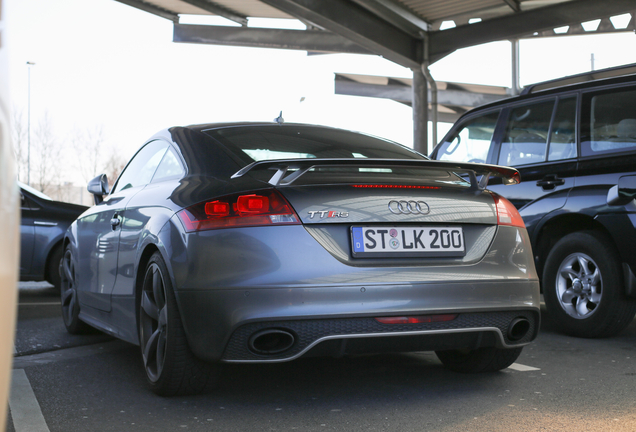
(409, 207)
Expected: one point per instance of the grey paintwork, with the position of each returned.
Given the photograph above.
(228, 277)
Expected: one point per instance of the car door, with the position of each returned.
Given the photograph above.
(539, 140)
(99, 230)
(151, 203)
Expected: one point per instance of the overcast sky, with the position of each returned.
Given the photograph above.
(100, 62)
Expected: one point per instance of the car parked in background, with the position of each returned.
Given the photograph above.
(42, 229)
(246, 243)
(574, 144)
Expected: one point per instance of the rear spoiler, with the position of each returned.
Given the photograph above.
(509, 176)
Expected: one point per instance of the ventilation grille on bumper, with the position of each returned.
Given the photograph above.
(311, 330)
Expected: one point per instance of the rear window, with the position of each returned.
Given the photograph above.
(258, 143)
(261, 143)
(609, 122)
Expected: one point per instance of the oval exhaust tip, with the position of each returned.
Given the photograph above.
(518, 328)
(271, 341)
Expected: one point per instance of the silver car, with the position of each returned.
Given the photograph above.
(243, 243)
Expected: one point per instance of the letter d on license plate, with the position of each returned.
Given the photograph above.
(382, 242)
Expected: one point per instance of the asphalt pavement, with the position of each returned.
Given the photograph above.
(93, 382)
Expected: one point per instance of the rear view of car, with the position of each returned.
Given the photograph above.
(267, 243)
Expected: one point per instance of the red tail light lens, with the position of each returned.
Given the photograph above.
(507, 213)
(417, 319)
(255, 204)
(240, 210)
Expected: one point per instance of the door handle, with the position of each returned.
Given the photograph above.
(550, 181)
(115, 221)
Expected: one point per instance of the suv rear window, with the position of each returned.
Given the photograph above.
(609, 122)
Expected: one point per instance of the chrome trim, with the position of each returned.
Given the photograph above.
(41, 223)
(501, 344)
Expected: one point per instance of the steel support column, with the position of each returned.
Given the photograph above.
(515, 87)
(420, 112)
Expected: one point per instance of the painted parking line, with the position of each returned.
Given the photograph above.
(25, 409)
(68, 353)
(522, 368)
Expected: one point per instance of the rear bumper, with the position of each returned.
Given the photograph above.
(336, 319)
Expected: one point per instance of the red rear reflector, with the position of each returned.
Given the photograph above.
(417, 319)
(507, 213)
(382, 186)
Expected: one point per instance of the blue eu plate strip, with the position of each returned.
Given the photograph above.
(358, 243)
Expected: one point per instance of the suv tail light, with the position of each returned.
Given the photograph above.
(240, 210)
(507, 213)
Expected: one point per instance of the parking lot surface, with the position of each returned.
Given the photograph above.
(76, 383)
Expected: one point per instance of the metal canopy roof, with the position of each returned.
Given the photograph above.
(454, 99)
(395, 29)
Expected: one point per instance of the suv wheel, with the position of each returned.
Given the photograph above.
(583, 286)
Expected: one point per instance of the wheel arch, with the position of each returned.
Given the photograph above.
(60, 244)
(555, 228)
(148, 251)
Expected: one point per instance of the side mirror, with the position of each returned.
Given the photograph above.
(624, 192)
(98, 187)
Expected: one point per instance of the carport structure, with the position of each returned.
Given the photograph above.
(412, 33)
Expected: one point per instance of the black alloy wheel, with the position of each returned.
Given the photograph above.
(68, 292)
(171, 368)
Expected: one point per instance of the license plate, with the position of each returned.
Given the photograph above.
(407, 241)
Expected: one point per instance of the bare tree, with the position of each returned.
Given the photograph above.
(113, 167)
(19, 137)
(88, 146)
(46, 167)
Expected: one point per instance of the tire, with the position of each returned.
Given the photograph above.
(171, 367)
(489, 359)
(54, 269)
(68, 292)
(583, 286)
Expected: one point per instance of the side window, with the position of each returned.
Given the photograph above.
(169, 168)
(472, 141)
(609, 122)
(142, 166)
(526, 136)
(563, 135)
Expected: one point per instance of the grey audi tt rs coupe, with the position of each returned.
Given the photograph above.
(246, 242)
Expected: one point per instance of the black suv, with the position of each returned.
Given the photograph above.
(575, 147)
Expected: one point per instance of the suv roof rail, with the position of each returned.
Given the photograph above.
(627, 69)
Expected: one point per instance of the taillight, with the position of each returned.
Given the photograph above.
(507, 213)
(417, 319)
(240, 210)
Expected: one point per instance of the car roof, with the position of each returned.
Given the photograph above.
(211, 126)
(530, 94)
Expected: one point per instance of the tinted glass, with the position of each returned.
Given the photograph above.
(563, 135)
(256, 143)
(609, 122)
(526, 135)
(169, 168)
(142, 166)
(472, 141)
